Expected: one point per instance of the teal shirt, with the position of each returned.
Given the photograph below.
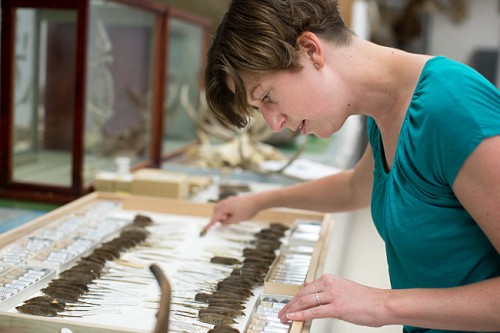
(431, 241)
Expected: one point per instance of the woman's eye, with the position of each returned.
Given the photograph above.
(265, 98)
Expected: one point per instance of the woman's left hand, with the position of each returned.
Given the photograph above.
(332, 297)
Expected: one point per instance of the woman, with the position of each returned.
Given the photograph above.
(430, 171)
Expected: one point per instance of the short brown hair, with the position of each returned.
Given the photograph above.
(259, 36)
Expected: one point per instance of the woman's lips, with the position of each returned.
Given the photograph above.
(301, 127)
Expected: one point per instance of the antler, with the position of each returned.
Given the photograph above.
(203, 119)
(244, 148)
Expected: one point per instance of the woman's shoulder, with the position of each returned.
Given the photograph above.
(454, 108)
(448, 87)
(442, 73)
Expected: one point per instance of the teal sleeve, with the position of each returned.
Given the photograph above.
(464, 110)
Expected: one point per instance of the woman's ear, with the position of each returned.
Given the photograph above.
(310, 43)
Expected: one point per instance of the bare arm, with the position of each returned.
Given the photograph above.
(473, 307)
(348, 190)
(477, 186)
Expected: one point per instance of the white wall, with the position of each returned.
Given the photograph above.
(481, 28)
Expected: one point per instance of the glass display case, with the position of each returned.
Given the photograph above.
(187, 43)
(119, 86)
(45, 67)
(87, 81)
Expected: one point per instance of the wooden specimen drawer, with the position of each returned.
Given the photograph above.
(125, 295)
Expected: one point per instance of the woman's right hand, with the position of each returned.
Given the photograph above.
(233, 209)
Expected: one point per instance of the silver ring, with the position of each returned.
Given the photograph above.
(316, 295)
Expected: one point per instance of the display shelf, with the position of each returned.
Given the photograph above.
(173, 243)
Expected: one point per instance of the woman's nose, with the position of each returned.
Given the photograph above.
(275, 120)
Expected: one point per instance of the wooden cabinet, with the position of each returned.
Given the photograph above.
(86, 81)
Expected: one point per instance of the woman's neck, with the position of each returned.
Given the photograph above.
(383, 78)
(382, 81)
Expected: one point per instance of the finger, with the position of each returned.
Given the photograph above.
(309, 314)
(212, 221)
(308, 289)
(204, 231)
(289, 305)
(300, 303)
(231, 219)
